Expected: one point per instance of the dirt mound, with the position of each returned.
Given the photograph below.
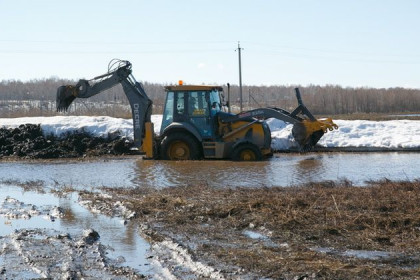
(28, 141)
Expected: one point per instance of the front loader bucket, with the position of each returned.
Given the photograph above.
(307, 132)
(65, 96)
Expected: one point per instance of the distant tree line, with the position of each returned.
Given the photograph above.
(37, 98)
(333, 99)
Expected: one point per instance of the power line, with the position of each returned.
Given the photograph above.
(67, 42)
(111, 52)
(328, 51)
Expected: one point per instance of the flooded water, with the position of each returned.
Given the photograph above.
(121, 240)
(281, 170)
(133, 172)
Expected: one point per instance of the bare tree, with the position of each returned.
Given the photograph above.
(37, 98)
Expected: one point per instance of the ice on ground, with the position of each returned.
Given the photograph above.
(12, 208)
(175, 262)
(391, 134)
(360, 254)
(254, 235)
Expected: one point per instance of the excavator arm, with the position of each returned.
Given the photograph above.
(119, 72)
(307, 130)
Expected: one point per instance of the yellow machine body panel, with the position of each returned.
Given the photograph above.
(244, 131)
(235, 131)
(148, 140)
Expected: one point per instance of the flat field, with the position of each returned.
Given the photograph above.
(317, 231)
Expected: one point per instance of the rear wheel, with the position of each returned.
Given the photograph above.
(180, 146)
(246, 152)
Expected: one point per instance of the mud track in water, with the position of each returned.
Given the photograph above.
(49, 254)
(28, 252)
(317, 231)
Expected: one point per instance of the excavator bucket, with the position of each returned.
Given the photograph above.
(65, 96)
(308, 132)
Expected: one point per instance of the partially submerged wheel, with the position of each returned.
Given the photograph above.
(246, 152)
(180, 146)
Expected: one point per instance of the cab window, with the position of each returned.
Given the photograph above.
(168, 113)
(180, 104)
(197, 105)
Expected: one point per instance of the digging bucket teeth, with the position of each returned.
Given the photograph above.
(65, 96)
(308, 132)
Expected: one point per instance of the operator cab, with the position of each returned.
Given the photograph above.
(195, 105)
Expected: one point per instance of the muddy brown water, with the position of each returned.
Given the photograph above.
(281, 170)
(124, 240)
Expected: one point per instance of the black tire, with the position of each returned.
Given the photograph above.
(246, 152)
(180, 146)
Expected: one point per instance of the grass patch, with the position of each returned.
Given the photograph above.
(294, 222)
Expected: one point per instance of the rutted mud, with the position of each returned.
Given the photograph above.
(49, 254)
(317, 231)
(28, 141)
(40, 239)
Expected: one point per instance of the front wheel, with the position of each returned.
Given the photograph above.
(180, 146)
(246, 152)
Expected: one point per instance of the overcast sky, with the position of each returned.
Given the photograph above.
(373, 43)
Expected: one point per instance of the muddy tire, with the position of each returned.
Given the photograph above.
(180, 146)
(246, 152)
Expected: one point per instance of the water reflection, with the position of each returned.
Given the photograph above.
(124, 239)
(309, 169)
(281, 170)
(161, 174)
(77, 174)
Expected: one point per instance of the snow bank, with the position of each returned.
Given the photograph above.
(393, 134)
(98, 126)
(281, 135)
(374, 134)
(357, 133)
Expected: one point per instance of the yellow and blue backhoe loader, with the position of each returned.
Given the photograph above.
(194, 125)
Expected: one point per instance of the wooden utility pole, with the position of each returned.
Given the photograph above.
(240, 75)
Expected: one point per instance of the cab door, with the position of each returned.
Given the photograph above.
(198, 111)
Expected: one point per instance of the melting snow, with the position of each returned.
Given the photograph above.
(357, 133)
(360, 254)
